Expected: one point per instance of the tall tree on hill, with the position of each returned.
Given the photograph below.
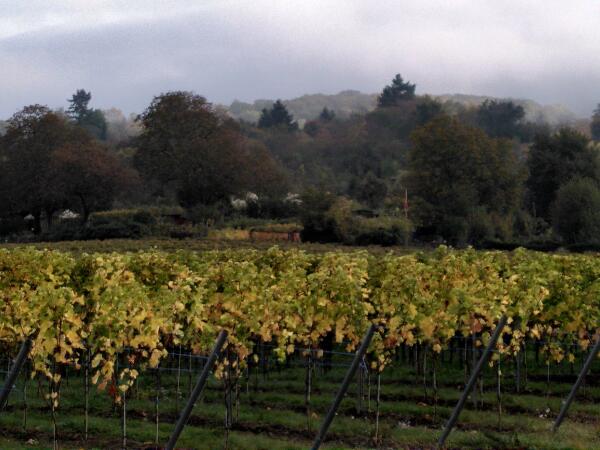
(78, 108)
(396, 92)
(277, 117)
(92, 120)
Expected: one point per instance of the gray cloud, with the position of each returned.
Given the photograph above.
(127, 51)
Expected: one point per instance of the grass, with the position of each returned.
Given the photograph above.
(272, 411)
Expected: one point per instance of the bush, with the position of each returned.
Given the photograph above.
(209, 215)
(576, 211)
(318, 226)
(455, 229)
(116, 224)
(353, 229)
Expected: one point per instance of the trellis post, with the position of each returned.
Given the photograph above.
(187, 411)
(471, 383)
(344, 388)
(14, 371)
(584, 370)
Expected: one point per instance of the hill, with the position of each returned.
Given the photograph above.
(308, 107)
(346, 103)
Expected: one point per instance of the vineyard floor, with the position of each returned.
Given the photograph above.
(272, 412)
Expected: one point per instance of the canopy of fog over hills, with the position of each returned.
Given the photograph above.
(127, 52)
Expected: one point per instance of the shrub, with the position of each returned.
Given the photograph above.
(318, 226)
(115, 224)
(351, 228)
(209, 215)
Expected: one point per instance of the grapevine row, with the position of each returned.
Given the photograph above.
(97, 306)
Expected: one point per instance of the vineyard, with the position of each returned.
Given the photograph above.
(116, 336)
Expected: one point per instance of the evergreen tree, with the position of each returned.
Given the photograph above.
(327, 115)
(396, 92)
(79, 110)
(277, 117)
(92, 120)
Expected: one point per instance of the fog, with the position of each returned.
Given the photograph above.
(127, 51)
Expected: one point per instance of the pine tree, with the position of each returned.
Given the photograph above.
(396, 92)
(277, 116)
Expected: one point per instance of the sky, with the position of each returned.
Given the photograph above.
(125, 52)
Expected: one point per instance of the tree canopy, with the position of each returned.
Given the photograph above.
(457, 172)
(500, 118)
(554, 159)
(186, 145)
(577, 211)
(48, 164)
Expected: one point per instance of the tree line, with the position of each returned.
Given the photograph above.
(413, 168)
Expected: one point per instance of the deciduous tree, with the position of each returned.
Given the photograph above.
(554, 159)
(456, 172)
(33, 134)
(186, 145)
(577, 211)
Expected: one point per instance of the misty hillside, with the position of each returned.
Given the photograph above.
(349, 102)
(309, 106)
(534, 112)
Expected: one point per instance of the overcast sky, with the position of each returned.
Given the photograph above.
(127, 51)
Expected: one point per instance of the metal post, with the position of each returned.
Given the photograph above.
(471, 383)
(14, 371)
(187, 411)
(347, 379)
(580, 378)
